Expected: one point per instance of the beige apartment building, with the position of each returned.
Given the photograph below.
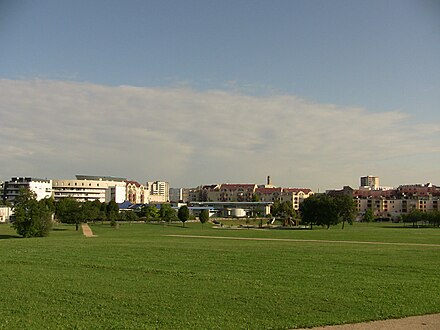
(293, 195)
(268, 193)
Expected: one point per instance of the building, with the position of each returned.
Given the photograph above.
(91, 188)
(236, 192)
(157, 192)
(41, 187)
(5, 213)
(179, 195)
(370, 181)
(136, 193)
(234, 209)
(293, 195)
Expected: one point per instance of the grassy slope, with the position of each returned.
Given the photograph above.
(136, 278)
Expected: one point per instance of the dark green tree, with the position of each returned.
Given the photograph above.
(368, 216)
(89, 211)
(183, 214)
(68, 210)
(167, 213)
(130, 216)
(276, 209)
(112, 211)
(149, 212)
(413, 216)
(204, 216)
(32, 218)
(319, 210)
(345, 208)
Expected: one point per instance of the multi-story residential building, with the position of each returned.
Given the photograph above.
(267, 193)
(91, 188)
(293, 195)
(158, 192)
(236, 192)
(370, 181)
(41, 187)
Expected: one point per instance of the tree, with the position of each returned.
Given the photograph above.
(319, 210)
(183, 214)
(112, 211)
(413, 216)
(32, 218)
(368, 216)
(275, 209)
(149, 212)
(68, 210)
(130, 216)
(167, 213)
(345, 208)
(204, 216)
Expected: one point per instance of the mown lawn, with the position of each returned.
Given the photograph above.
(135, 277)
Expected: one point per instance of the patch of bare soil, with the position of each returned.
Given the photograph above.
(423, 322)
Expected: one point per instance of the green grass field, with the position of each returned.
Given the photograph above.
(135, 277)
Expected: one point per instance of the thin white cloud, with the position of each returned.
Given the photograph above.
(189, 137)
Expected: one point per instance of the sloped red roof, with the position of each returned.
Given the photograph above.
(297, 190)
(263, 190)
(237, 186)
(137, 184)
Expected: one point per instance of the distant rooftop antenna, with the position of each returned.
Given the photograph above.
(268, 180)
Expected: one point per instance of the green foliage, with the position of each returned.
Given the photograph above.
(345, 208)
(67, 210)
(368, 216)
(32, 218)
(324, 210)
(204, 216)
(128, 216)
(183, 214)
(167, 213)
(149, 212)
(417, 216)
(320, 210)
(112, 211)
(283, 210)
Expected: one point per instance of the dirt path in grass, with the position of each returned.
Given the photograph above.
(424, 322)
(87, 231)
(306, 241)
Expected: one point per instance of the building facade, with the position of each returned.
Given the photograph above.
(42, 188)
(158, 192)
(91, 188)
(370, 181)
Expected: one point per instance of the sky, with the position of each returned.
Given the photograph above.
(314, 93)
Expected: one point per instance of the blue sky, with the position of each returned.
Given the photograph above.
(375, 59)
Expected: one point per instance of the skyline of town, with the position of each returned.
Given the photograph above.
(260, 182)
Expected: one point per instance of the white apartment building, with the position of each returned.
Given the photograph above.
(91, 188)
(157, 192)
(370, 181)
(41, 187)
